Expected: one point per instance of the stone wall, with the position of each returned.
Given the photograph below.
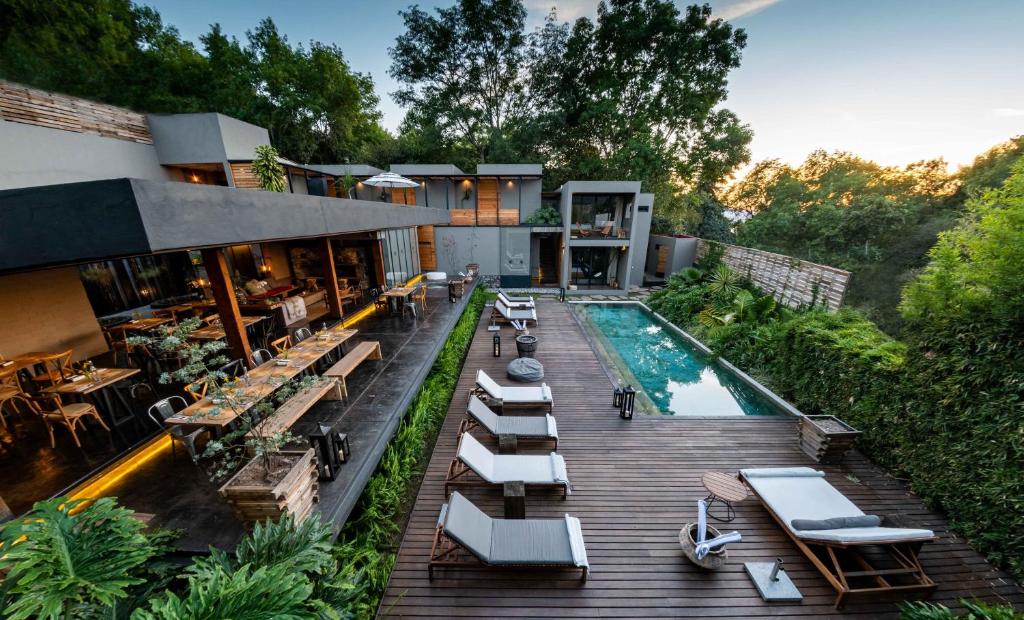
(31, 106)
(791, 281)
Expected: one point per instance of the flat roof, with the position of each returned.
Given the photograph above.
(71, 223)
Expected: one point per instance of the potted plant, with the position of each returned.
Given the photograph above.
(826, 438)
(261, 478)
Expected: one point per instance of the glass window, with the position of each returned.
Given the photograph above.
(601, 215)
(594, 267)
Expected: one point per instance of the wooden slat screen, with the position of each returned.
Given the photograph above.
(463, 217)
(508, 217)
(487, 202)
(243, 177)
(31, 106)
(403, 195)
(428, 253)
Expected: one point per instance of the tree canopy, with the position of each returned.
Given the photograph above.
(316, 108)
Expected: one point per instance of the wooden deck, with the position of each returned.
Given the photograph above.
(635, 484)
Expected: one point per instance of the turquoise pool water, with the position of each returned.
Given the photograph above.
(676, 379)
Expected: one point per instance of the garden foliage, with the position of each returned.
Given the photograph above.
(943, 407)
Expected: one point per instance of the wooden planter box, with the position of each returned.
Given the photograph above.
(295, 493)
(826, 438)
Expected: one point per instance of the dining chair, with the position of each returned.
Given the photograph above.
(71, 415)
(197, 390)
(261, 356)
(235, 369)
(165, 408)
(12, 392)
(301, 334)
(56, 368)
(166, 314)
(211, 319)
(282, 344)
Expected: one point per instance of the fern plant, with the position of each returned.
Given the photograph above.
(268, 172)
(65, 555)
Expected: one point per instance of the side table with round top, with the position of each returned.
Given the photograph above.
(726, 488)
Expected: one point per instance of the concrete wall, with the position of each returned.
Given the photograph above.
(638, 238)
(31, 156)
(47, 311)
(791, 281)
(682, 252)
(473, 244)
(531, 197)
(298, 184)
(204, 138)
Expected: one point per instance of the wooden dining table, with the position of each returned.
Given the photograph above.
(397, 296)
(262, 381)
(98, 391)
(216, 332)
(141, 325)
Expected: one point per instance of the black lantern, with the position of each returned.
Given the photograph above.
(617, 398)
(332, 450)
(452, 297)
(497, 345)
(628, 397)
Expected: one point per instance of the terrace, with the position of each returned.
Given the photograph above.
(635, 482)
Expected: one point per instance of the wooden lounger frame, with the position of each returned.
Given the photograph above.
(493, 403)
(827, 557)
(462, 475)
(468, 424)
(448, 553)
(498, 317)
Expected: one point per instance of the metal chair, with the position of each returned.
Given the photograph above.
(301, 334)
(261, 356)
(54, 411)
(163, 409)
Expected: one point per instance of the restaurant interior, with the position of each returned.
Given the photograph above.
(75, 392)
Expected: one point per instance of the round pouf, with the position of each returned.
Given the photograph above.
(687, 540)
(526, 345)
(525, 369)
(436, 276)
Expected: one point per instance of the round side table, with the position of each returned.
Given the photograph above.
(725, 488)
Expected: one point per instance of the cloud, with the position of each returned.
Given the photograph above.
(568, 10)
(1008, 112)
(735, 9)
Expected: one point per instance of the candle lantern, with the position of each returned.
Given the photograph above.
(628, 398)
(617, 398)
(326, 460)
(497, 345)
(332, 450)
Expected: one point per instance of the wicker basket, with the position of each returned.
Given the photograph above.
(714, 560)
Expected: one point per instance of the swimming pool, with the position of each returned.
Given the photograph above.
(674, 376)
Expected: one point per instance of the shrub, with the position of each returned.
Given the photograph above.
(368, 541)
(544, 216)
(918, 610)
(268, 172)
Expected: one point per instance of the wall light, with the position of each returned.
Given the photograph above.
(195, 178)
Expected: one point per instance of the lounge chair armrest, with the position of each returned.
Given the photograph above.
(443, 514)
(552, 426)
(559, 473)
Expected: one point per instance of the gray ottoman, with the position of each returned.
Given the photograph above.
(525, 369)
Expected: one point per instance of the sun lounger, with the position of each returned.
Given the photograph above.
(502, 312)
(832, 532)
(533, 470)
(466, 537)
(508, 397)
(479, 415)
(516, 302)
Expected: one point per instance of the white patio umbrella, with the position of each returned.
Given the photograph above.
(390, 180)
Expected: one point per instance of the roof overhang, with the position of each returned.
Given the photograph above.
(73, 223)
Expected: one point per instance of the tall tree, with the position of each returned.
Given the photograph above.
(637, 93)
(461, 71)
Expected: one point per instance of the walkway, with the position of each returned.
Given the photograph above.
(635, 484)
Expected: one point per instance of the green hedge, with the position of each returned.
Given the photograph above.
(926, 415)
(368, 542)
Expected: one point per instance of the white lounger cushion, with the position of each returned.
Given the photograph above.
(529, 314)
(502, 468)
(520, 426)
(516, 303)
(514, 394)
(514, 542)
(803, 493)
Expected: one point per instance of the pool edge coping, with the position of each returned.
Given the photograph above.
(753, 383)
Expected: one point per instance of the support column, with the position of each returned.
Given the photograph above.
(330, 278)
(227, 304)
(378, 262)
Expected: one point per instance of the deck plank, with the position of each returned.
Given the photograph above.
(635, 483)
